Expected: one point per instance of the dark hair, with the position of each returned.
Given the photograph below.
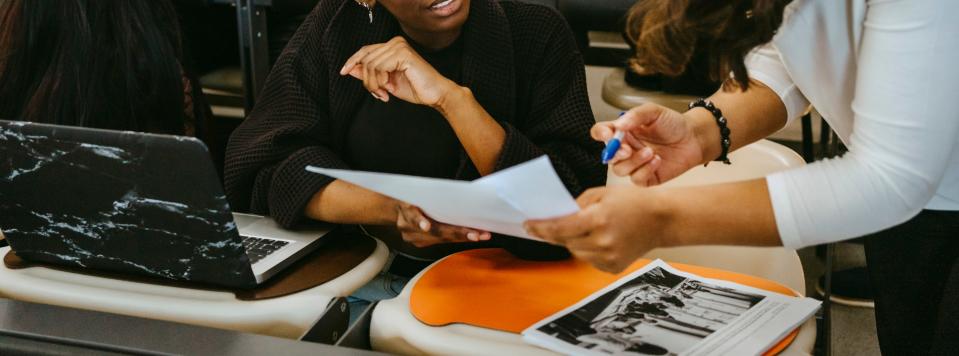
(107, 64)
(667, 32)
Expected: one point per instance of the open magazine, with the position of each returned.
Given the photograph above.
(659, 310)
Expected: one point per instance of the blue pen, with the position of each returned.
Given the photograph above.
(612, 147)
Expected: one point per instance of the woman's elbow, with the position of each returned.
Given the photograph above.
(912, 194)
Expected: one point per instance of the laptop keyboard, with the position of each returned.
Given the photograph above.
(257, 248)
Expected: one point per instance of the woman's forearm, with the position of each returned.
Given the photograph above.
(738, 213)
(752, 115)
(478, 132)
(344, 203)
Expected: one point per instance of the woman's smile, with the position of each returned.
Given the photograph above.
(444, 8)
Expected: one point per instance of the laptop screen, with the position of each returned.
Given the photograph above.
(118, 201)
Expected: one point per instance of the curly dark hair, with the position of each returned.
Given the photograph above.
(666, 32)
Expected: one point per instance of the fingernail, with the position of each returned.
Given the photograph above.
(472, 236)
(646, 153)
(486, 236)
(424, 225)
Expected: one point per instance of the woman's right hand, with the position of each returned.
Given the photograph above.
(659, 144)
(421, 231)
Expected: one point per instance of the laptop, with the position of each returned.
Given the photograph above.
(133, 202)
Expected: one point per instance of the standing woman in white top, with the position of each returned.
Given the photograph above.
(884, 73)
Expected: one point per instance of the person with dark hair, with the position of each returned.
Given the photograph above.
(101, 64)
(883, 73)
(454, 89)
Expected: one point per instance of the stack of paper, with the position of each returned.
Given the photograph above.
(659, 310)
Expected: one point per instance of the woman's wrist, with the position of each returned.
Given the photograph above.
(454, 96)
(706, 132)
(665, 213)
(389, 210)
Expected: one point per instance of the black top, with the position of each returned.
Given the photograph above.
(403, 138)
(520, 61)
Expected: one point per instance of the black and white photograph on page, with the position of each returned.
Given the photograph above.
(656, 313)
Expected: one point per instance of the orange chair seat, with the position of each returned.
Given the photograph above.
(492, 289)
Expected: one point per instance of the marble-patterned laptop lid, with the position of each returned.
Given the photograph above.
(118, 201)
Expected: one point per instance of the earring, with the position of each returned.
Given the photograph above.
(368, 8)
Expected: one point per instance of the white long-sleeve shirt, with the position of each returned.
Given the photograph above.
(885, 75)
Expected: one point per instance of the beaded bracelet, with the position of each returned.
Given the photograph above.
(721, 121)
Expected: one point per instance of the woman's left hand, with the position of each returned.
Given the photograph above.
(394, 68)
(422, 231)
(615, 226)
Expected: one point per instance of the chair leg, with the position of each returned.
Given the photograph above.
(825, 133)
(808, 153)
(825, 330)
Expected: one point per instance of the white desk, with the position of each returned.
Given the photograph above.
(288, 316)
(394, 329)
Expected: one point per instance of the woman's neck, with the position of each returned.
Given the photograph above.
(432, 40)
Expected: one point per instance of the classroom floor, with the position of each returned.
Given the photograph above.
(853, 329)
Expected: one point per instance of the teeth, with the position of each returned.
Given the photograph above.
(442, 4)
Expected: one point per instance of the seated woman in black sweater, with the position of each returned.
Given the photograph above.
(450, 89)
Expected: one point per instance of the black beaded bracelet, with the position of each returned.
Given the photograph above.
(721, 121)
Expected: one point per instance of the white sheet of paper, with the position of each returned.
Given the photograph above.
(499, 202)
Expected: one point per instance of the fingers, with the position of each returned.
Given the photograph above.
(358, 66)
(627, 166)
(602, 261)
(369, 81)
(373, 64)
(421, 231)
(624, 152)
(355, 59)
(631, 121)
(643, 115)
(590, 196)
(599, 250)
(451, 233)
(365, 51)
(416, 217)
(602, 251)
(602, 131)
(560, 230)
(373, 77)
(645, 175)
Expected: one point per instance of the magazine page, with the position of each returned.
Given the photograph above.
(659, 310)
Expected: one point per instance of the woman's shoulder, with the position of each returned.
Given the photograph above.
(538, 29)
(532, 18)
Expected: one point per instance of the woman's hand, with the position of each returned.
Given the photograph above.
(615, 226)
(659, 144)
(394, 68)
(421, 231)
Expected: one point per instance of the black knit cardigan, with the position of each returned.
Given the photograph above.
(520, 61)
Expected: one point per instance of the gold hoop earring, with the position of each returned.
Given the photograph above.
(368, 8)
